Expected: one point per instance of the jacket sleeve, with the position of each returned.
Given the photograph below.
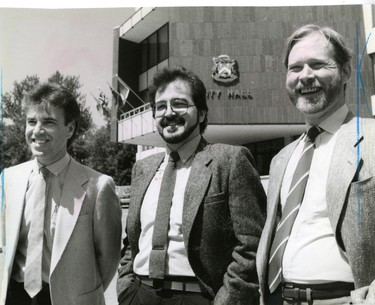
(247, 204)
(107, 230)
(126, 274)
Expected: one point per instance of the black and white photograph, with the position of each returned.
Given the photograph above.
(207, 153)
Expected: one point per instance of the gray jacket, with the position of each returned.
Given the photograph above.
(351, 183)
(223, 216)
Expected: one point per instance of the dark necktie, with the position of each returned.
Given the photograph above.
(291, 208)
(158, 255)
(33, 265)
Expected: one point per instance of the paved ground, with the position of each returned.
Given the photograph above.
(110, 294)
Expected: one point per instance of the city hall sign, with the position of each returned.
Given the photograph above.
(225, 72)
(225, 69)
(231, 94)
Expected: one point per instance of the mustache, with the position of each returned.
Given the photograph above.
(173, 119)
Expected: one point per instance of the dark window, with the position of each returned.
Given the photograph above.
(163, 40)
(263, 152)
(144, 95)
(144, 56)
(155, 48)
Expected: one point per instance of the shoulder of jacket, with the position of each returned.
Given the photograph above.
(150, 159)
(21, 166)
(225, 148)
(90, 173)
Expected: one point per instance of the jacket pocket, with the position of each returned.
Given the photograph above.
(215, 198)
(95, 297)
(365, 185)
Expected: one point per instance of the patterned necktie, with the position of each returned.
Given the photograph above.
(291, 208)
(33, 265)
(158, 255)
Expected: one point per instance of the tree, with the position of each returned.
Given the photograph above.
(72, 83)
(14, 145)
(113, 159)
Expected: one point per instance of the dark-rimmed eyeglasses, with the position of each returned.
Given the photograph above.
(179, 106)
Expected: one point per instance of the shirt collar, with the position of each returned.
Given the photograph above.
(57, 167)
(188, 149)
(334, 121)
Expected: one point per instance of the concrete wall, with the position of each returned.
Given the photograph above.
(255, 37)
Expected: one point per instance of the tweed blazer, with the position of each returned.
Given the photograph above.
(87, 241)
(223, 216)
(350, 201)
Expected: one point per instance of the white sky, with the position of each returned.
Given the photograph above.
(74, 41)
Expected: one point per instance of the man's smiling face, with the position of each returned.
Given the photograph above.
(314, 80)
(173, 127)
(47, 134)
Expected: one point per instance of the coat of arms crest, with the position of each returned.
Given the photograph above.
(225, 69)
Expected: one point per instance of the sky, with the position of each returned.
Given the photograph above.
(75, 42)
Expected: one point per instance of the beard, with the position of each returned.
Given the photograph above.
(177, 132)
(318, 102)
(174, 134)
(310, 105)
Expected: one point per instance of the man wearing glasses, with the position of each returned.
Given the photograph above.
(196, 211)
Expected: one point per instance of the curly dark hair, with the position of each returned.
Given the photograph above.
(198, 91)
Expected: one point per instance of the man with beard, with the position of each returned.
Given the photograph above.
(196, 211)
(318, 242)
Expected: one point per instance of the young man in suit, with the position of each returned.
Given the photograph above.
(318, 242)
(200, 247)
(63, 219)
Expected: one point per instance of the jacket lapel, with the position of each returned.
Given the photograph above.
(276, 179)
(15, 202)
(145, 171)
(71, 202)
(345, 161)
(198, 182)
(273, 198)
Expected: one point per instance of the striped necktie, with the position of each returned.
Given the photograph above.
(158, 255)
(33, 265)
(291, 208)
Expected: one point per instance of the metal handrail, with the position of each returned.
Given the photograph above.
(135, 111)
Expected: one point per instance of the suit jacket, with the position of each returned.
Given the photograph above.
(223, 216)
(351, 184)
(86, 246)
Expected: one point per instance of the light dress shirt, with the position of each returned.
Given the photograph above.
(312, 255)
(55, 183)
(177, 260)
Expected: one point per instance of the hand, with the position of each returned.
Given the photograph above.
(364, 295)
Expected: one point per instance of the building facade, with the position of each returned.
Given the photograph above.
(238, 52)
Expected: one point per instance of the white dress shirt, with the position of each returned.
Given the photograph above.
(177, 260)
(312, 254)
(55, 183)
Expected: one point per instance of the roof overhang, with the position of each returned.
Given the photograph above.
(231, 134)
(138, 27)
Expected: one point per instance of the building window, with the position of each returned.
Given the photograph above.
(263, 152)
(152, 50)
(154, 57)
(155, 48)
(144, 56)
(163, 43)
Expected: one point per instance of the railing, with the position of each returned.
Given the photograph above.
(135, 123)
(135, 111)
